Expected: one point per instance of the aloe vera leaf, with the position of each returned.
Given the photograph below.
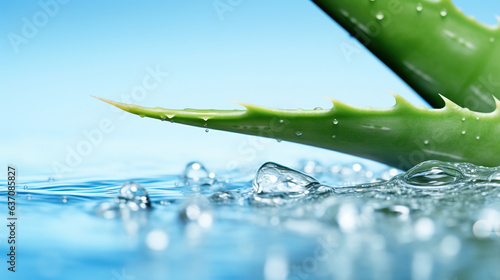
(431, 45)
(400, 136)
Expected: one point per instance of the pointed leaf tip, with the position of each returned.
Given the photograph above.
(448, 103)
(120, 105)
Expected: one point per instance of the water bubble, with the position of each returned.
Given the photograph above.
(463, 132)
(282, 121)
(433, 173)
(157, 240)
(206, 130)
(334, 136)
(463, 119)
(26, 187)
(478, 137)
(64, 199)
(419, 7)
(196, 174)
(443, 13)
(197, 210)
(424, 228)
(279, 140)
(426, 142)
(298, 133)
(482, 228)
(335, 121)
(275, 179)
(379, 16)
(133, 196)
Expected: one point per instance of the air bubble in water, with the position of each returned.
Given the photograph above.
(196, 174)
(272, 178)
(133, 196)
(433, 173)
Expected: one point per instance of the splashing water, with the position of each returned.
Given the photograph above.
(438, 220)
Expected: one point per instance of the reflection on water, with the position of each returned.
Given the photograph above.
(436, 221)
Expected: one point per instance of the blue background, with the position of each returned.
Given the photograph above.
(281, 53)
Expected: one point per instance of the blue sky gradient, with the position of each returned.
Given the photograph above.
(282, 53)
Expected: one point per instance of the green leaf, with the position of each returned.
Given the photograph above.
(401, 136)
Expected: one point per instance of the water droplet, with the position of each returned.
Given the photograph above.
(142, 116)
(433, 173)
(28, 196)
(298, 133)
(463, 119)
(196, 174)
(463, 132)
(426, 142)
(26, 187)
(170, 116)
(443, 13)
(205, 118)
(282, 121)
(492, 39)
(133, 196)
(64, 199)
(334, 136)
(372, 0)
(419, 7)
(477, 137)
(206, 130)
(335, 121)
(197, 210)
(275, 179)
(318, 108)
(477, 118)
(279, 140)
(51, 179)
(379, 16)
